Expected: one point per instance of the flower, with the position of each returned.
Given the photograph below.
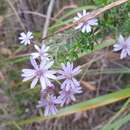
(66, 96)
(40, 72)
(49, 89)
(49, 103)
(41, 52)
(26, 37)
(123, 46)
(68, 72)
(85, 26)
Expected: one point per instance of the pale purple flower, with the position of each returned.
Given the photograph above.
(67, 96)
(68, 72)
(49, 103)
(40, 72)
(85, 26)
(26, 38)
(41, 52)
(123, 45)
(49, 89)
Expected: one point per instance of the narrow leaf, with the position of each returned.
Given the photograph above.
(83, 106)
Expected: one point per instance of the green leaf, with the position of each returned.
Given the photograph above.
(79, 107)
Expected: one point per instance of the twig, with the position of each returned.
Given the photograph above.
(92, 15)
(47, 22)
(15, 12)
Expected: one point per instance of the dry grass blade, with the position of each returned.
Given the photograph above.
(88, 85)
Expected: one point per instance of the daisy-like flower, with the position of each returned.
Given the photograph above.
(26, 38)
(49, 103)
(85, 26)
(40, 72)
(41, 52)
(123, 45)
(66, 96)
(68, 72)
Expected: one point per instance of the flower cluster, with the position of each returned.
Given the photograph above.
(70, 85)
(43, 73)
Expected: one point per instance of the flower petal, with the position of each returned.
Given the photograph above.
(88, 28)
(34, 82)
(76, 70)
(76, 18)
(79, 15)
(35, 55)
(27, 78)
(93, 22)
(84, 12)
(46, 64)
(37, 47)
(43, 84)
(34, 63)
(117, 47)
(23, 35)
(79, 26)
(121, 39)
(123, 54)
(29, 34)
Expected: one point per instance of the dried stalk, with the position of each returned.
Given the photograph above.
(47, 22)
